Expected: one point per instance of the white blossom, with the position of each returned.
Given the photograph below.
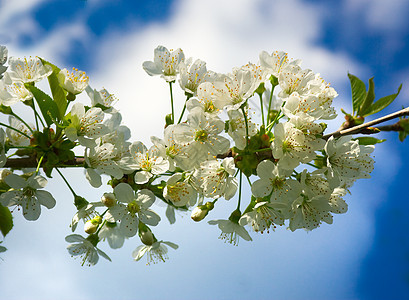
(84, 248)
(165, 63)
(27, 70)
(26, 194)
(157, 252)
(73, 82)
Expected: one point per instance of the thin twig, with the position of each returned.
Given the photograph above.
(359, 128)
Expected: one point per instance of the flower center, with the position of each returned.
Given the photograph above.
(133, 207)
(201, 136)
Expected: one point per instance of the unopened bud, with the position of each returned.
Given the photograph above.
(90, 227)
(146, 235)
(4, 173)
(201, 211)
(169, 120)
(108, 199)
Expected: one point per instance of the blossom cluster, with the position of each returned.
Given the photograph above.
(298, 177)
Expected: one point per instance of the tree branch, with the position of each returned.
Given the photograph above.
(31, 162)
(363, 127)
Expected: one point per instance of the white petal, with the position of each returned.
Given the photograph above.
(31, 209)
(124, 193)
(46, 199)
(93, 178)
(15, 181)
(74, 238)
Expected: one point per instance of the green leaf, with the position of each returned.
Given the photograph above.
(368, 140)
(358, 92)
(47, 106)
(382, 103)
(57, 91)
(370, 97)
(6, 220)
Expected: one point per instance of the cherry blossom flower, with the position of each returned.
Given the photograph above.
(15, 137)
(179, 191)
(85, 248)
(347, 160)
(131, 208)
(217, 178)
(28, 70)
(85, 126)
(165, 63)
(231, 231)
(13, 92)
(274, 62)
(26, 194)
(191, 74)
(73, 82)
(157, 252)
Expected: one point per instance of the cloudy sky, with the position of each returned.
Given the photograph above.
(363, 255)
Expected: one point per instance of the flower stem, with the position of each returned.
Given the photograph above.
(39, 164)
(238, 203)
(24, 122)
(262, 109)
(184, 108)
(171, 102)
(247, 125)
(12, 128)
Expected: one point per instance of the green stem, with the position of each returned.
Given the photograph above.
(262, 109)
(247, 125)
(66, 182)
(184, 108)
(12, 128)
(39, 117)
(269, 103)
(35, 115)
(171, 102)
(39, 164)
(238, 203)
(21, 120)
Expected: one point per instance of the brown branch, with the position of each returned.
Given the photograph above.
(31, 162)
(364, 127)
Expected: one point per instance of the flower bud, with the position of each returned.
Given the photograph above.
(4, 173)
(146, 235)
(169, 120)
(90, 227)
(201, 211)
(108, 199)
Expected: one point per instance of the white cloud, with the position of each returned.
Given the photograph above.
(380, 15)
(224, 34)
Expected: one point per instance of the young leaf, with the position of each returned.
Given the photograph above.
(57, 91)
(370, 97)
(6, 220)
(47, 106)
(358, 92)
(382, 103)
(368, 140)
(58, 94)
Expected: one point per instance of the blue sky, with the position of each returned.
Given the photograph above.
(363, 255)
